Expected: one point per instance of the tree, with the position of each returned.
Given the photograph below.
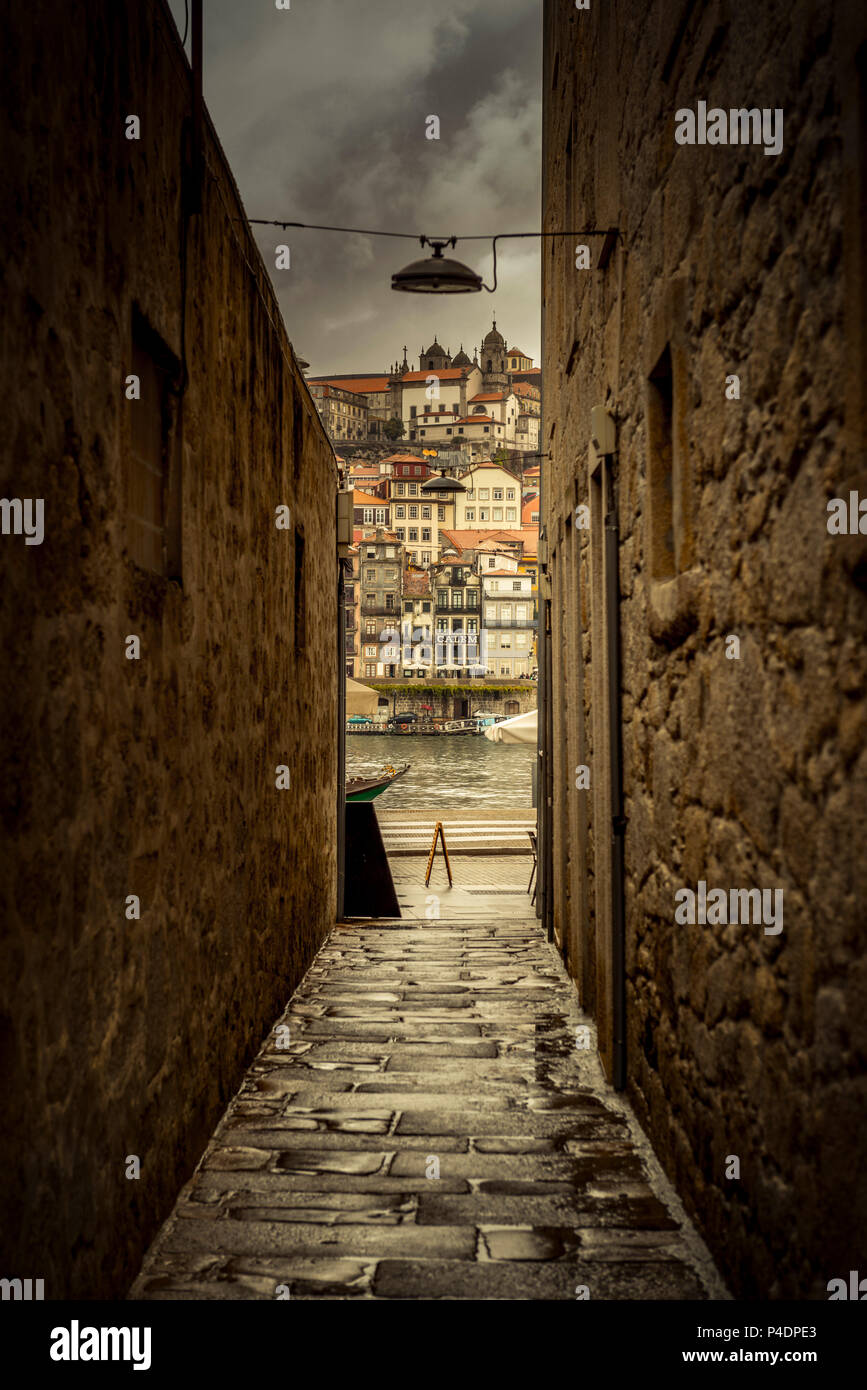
(501, 456)
(393, 428)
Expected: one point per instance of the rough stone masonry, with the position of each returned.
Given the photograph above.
(725, 337)
(153, 777)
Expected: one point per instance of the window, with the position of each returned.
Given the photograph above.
(407, 607)
(498, 514)
(484, 494)
(506, 612)
(521, 639)
(413, 487)
(491, 563)
(400, 489)
(370, 669)
(487, 429)
(413, 533)
(370, 627)
(448, 431)
(154, 493)
(516, 585)
(300, 593)
(457, 599)
(400, 513)
(660, 449)
(389, 600)
(413, 410)
(389, 554)
(369, 600)
(441, 513)
(425, 559)
(413, 513)
(425, 608)
(505, 668)
(425, 513)
(497, 494)
(401, 533)
(510, 494)
(521, 612)
(505, 640)
(511, 514)
(371, 552)
(370, 651)
(380, 516)
(483, 516)
(425, 533)
(422, 433)
(471, 514)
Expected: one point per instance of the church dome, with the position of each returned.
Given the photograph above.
(435, 350)
(494, 339)
(461, 360)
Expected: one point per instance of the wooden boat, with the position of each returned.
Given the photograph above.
(368, 788)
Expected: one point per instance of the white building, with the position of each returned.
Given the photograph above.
(492, 499)
(508, 619)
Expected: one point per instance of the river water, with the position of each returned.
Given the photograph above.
(445, 772)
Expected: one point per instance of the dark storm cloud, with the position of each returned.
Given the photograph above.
(321, 110)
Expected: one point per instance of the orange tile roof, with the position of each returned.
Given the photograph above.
(518, 352)
(489, 396)
(406, 458)
(445, 374)
(524, 388)
(500, 467)
(365, 499)
(496, 536)
(359, 386)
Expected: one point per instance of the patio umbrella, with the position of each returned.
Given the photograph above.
(521, 729)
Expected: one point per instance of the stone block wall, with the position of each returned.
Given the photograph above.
(151, 777)
(745, 771)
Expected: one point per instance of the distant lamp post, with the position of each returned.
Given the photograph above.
(437, 274)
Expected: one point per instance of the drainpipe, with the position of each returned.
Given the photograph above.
(343, 519)
(341, 739)
(615, 760)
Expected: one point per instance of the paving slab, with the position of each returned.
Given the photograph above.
(431, 1132)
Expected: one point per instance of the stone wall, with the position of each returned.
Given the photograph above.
(153, 777)
(749, 770)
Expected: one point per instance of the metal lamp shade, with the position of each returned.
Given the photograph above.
(436, 275)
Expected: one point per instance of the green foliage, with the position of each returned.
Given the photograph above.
(476, 689)
(393, 428)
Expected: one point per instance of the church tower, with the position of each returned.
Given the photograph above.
(493, 361)
(434, 359)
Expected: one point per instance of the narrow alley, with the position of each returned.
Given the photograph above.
(429, 1128)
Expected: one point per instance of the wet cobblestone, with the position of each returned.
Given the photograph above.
(427, 1129)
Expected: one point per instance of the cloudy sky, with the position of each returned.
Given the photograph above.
(321, 110)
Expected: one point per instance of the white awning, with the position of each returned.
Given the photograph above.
(521, 729)
(360, 699)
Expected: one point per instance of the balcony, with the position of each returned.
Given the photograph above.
(379, 608)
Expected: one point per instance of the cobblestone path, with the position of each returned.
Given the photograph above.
(418, 1049)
